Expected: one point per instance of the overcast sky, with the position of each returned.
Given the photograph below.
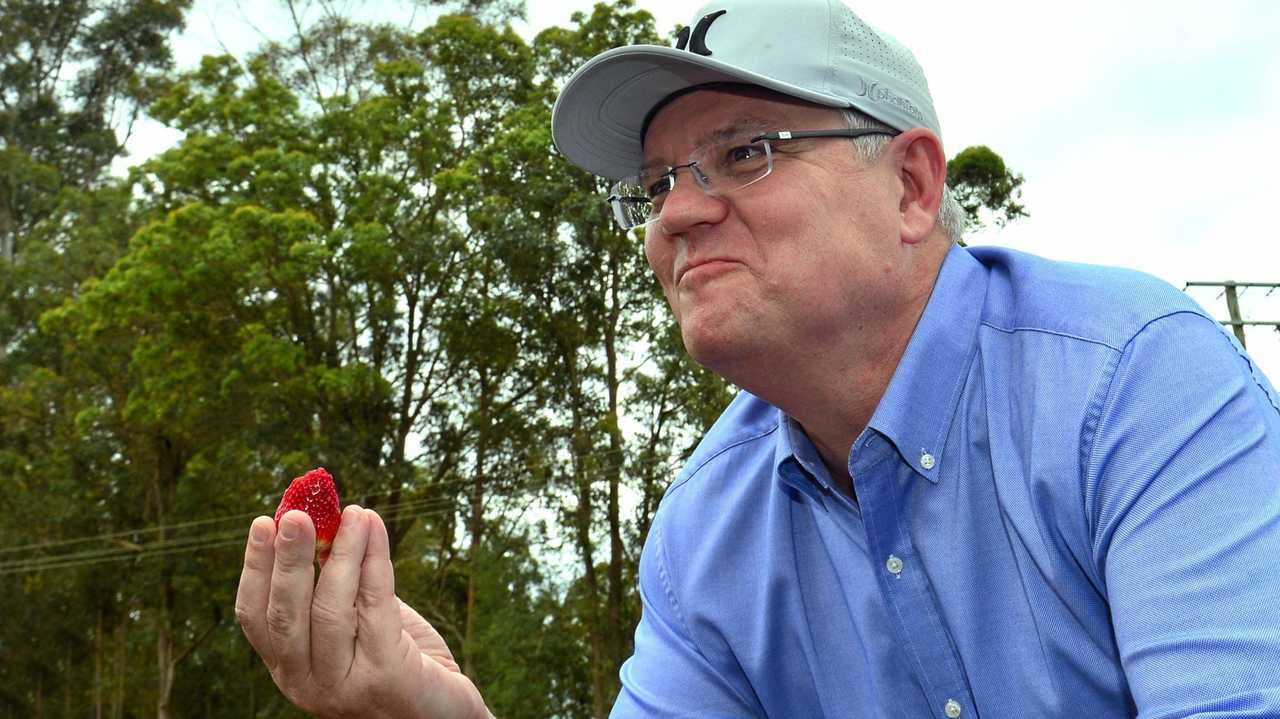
(1148, 131)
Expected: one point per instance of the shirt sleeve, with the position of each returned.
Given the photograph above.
(1183, 479)
(668, 676)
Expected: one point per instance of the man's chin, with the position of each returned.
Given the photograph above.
(721, 348)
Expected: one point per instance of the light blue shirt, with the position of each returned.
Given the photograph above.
(1068, 505)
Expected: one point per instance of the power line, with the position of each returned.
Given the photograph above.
(167, 527)
(133, 549)
(134, 533)
(1237, 323)
(65, 564)
(124, 533)
(426, 507)
(144, 552)
(422, 508)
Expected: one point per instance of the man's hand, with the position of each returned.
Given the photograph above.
(345, 646)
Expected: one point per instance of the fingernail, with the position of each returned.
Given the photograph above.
(288, 530)
(258, 534)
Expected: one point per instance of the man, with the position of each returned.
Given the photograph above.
(958, 482)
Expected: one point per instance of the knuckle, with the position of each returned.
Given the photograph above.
(317, 702)
(257, 560)
(300, 698)
(293, 557)
(344, 552)
(324, 613)
(246, 617)
(295, 560)
(281, 621)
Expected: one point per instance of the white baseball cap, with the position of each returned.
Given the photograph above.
(815, 50)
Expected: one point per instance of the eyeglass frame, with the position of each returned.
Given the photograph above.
(700, 179)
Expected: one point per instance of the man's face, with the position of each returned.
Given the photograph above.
(806, 260)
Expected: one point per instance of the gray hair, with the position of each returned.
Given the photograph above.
(870, 147)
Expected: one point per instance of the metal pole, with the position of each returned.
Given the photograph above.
(1233, 308)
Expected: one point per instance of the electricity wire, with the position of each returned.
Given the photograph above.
(419, 508)
(435, 488)
(193, 544)
(400, 509)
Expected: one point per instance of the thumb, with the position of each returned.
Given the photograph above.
(427, 639)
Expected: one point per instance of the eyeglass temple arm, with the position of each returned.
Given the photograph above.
(626, 198)
(841, 132)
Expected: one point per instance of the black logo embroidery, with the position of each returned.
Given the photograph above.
(697, 41)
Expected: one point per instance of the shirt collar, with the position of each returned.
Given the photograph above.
(916, 410)
(796, 461)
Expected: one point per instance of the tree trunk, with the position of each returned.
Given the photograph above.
(475, 526)
(8, 235)
(97, 666)
(121, 676)
(591, 614)
(67, 680)
(614, 631)
(580, 446)
(164, 650)
(600, 699)
(169, 465)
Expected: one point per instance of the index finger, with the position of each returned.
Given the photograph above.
(289, 598)
(255, 587)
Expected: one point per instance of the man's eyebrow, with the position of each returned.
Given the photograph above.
(724, 132)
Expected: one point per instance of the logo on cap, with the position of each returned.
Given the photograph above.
(697, 42)
(876, 92)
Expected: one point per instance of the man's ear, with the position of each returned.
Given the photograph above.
(922, 168)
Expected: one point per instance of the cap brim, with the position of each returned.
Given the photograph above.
(599, 115)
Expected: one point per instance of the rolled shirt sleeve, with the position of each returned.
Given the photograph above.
(668, 676)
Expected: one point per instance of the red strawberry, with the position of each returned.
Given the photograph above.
(315, 494)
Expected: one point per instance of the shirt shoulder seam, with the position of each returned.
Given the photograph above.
(1094, 422)
(1059, 333)
(1093, 340)
(667, 586)
(736, 443)
(668, 589)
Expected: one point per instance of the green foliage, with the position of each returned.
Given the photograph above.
(364, 254)
(984, 187)
(68, 71)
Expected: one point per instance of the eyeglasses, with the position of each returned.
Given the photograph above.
(718, 167)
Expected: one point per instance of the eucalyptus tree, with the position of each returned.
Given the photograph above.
(74, 77)
(599, 302)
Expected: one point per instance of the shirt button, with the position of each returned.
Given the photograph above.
(894, 565)
(926, 460)
(952, 709)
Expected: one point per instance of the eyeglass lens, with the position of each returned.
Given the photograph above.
(718, 168)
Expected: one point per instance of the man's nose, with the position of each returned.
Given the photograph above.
(687, 205)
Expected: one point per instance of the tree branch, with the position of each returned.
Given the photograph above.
(199, 640)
